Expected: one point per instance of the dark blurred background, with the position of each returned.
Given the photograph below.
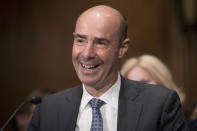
(36, 43)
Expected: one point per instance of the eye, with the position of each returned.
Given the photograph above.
(79, 41)
(101, 43)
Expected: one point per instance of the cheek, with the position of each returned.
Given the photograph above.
(75, 52)
(107, 56)
(111, 54)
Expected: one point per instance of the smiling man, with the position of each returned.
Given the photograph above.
(97, 48)
(105, 101)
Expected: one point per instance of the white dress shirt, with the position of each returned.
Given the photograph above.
(109, 110)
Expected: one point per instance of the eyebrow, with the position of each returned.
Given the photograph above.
(79, 35)
(102, 39)
(76, 35)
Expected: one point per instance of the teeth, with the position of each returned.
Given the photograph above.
(88, 66)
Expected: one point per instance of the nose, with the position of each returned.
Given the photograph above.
(89, 51)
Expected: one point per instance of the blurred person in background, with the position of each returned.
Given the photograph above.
(24, 116)
(150, 69)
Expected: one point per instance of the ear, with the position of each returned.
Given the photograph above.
(123, 48)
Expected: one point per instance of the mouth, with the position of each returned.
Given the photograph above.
(90, 66)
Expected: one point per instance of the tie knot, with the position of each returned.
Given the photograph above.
(96, 103)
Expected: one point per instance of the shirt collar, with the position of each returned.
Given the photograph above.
(110, 97)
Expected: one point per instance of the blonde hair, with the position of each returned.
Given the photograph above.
(158, 70)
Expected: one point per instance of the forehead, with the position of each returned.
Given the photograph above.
(98, 23)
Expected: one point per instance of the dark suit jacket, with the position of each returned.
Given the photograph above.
(142, 107)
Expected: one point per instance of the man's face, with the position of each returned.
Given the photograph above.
(95, 50)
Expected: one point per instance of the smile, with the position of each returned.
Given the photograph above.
(89, 66)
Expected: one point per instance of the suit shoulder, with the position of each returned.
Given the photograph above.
(56, 97)
(156, 93)
(149, 91)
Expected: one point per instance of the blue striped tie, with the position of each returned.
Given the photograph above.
(97, 121)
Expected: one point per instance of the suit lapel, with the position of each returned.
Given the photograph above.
(69, 112)
(128, 110)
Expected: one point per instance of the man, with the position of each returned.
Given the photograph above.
(105, 100)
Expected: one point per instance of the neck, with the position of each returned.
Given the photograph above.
(98, 91)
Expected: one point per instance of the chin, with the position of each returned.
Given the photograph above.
(88, 81)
